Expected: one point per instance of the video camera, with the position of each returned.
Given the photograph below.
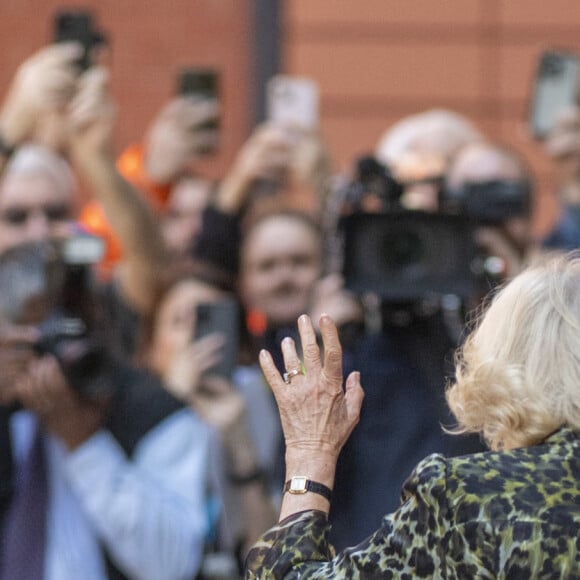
(404, 256)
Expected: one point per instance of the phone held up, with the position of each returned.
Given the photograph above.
(79, 26)
(202, 83)
(292, 101)
(555, 90)
(223, 318)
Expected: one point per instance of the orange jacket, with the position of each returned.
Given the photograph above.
(92, 216)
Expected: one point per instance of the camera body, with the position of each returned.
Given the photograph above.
(83, 359)
(71, 330)
(404, 256)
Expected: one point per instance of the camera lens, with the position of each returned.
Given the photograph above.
(401, 249)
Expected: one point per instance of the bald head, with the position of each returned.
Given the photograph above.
(436, 132)
(481, 162)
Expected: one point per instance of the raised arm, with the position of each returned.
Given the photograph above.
(317, 413)
(91, 116)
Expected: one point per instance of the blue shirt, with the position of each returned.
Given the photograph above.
(148, 511)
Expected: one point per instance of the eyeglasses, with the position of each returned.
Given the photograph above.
(18, 216)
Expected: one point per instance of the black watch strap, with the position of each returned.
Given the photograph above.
(300, 484)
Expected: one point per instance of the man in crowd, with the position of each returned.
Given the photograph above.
(115, 483)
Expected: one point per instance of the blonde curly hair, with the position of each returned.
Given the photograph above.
(518, 374)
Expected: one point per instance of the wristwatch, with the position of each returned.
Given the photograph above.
(300, 484)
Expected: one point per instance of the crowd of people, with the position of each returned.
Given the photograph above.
(125, 449)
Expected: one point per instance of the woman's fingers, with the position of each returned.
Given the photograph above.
(310, 346)
(271, 373)
(332, 368)
(292, 361)
(332, 350)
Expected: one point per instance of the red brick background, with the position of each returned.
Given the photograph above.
(375, 61)
(378, 60)
(151, 40)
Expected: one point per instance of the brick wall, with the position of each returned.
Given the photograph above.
(379, 60)
(151, 40)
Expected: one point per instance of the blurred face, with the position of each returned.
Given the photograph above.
(175, 320)
(182, 220)
(32, 208)
(479, 164)
(420, 173)
(281, 261)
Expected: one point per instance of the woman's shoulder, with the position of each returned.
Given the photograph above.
(493, 480)
(545, 459)
(488, 470)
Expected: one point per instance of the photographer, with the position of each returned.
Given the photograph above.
(126, 474)
(498, 181)
(406, 351)
(50, 90)
(108, 471)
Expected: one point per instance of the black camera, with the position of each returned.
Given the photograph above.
(488, 202)
(72, 332)
(404, 256)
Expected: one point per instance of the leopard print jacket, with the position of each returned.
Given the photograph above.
(513, 515)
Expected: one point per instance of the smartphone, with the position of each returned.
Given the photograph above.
(293, 101)
(78, 26)
(221, 317)
(203, 83)
(555, 90)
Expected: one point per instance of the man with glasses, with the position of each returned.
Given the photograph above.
(36, 197)
(122, 485)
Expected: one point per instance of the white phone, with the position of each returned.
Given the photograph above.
(555, 90)
(293, 101)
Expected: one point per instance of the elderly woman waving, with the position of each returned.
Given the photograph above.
(512, 512)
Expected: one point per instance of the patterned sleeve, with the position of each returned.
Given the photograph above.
(407, 543)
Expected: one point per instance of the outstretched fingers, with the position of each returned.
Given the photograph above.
(292, 361)
(332, 350)
(310, 348)
(271, 372)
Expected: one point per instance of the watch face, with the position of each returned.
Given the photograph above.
(298, 485)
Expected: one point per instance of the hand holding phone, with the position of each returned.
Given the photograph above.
(201, 84)
(293, 102)
(555, 90)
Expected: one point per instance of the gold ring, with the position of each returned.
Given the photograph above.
(291, 373)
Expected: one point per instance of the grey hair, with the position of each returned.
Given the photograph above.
(33, 159)
(437, 130)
